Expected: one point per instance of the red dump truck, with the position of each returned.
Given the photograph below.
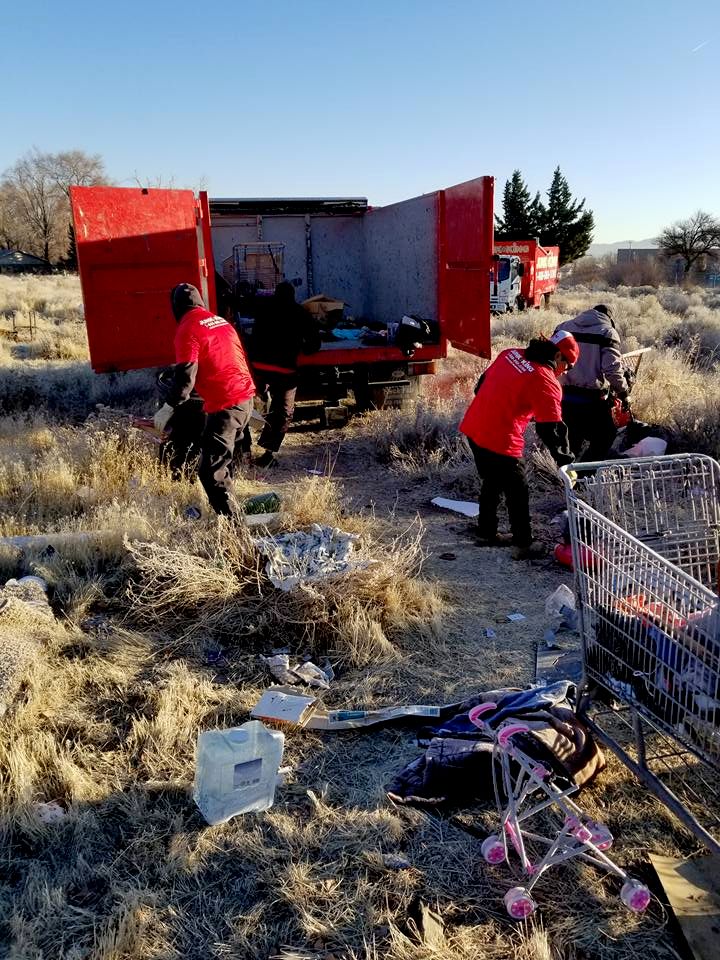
(524, 274)
(428, 257)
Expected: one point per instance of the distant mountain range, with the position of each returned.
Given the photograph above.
(602, 249)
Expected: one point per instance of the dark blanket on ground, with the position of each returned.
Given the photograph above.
(456, 766)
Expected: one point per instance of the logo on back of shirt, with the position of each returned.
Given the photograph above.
(518, 361)
(211, 322)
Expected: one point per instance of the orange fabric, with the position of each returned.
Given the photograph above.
(514, 391)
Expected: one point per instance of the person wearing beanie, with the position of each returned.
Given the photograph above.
(283, 330)
(209, 359)
(591, 386)
(518, 386)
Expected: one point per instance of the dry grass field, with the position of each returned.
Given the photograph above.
(107, 715)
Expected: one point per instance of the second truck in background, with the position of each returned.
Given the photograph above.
(524, 274)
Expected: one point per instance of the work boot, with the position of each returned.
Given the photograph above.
(496, 540)
(267, 459)
(530, 551)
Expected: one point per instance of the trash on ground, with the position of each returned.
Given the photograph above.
(516, 617)
(289, 706)
(236, 770)
(465, 507)
(262, 503)
(525, 783)
(427, 926)
(314, 472)
(448, 556)
(558, 663)
(647, 447)
(307, 556)
(314, 676)
(456, 766)
(560, 608)
(490, 633)
(550, 638)
(394, 861)
(50, 812)
(192, 513)
(53, 540)
(262, 521)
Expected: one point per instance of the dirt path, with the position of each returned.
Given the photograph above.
(482, 585)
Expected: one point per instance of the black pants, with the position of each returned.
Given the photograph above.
(185, 430)
(282, 388)
(591, 422)
(502, 476)
(218, 447)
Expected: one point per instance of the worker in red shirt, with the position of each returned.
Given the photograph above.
(520, 385)
(210, 358)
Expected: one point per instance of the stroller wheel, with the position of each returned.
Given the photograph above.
(518, 903)
(635, 896)
(600, 835)
(493, 849)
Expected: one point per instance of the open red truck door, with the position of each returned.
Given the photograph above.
(465, 247)
(133, 246)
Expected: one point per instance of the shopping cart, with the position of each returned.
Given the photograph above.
(645, 539)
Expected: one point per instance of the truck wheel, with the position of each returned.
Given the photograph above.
(520, 303)
(546, 298)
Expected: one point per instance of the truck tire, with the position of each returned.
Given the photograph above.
(520, 303)
(546, 298)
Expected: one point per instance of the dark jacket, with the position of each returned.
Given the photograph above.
(599, 365)
(281, 332)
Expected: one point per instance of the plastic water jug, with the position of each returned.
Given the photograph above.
(236, 770)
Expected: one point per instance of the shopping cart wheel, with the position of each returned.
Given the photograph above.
(518, 903)
(493, 849)
(600, 835)
(635, 896)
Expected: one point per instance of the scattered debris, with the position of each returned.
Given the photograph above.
(289, 706)
(50, 812)
(262, 503)
(465, 507)
(192, 513)
(427, 926)
(560, 608)
(306, 556)
(448, 556)
(279, 666)
(393, 861)
(490, 633)
(52, 541)
(236, 770)
(516, 617)
(647, 447)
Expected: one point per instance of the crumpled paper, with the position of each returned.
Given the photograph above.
(306, 556)
(314, 676)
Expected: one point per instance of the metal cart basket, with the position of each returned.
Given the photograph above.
(645, 539)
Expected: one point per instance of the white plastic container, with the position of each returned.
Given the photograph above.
(236, 770)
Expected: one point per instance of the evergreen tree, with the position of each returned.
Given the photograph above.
(538, 215)
(516, 222)
(566, 223)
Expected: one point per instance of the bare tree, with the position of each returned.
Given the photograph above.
(34, 198)
(691, 239)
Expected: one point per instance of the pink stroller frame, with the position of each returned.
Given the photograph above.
(527, 787)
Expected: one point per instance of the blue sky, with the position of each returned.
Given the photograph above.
(378, 99)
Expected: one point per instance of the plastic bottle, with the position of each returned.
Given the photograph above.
(236, 770)
(560, 608)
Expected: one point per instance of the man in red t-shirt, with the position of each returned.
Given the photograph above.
(210, 358)
(519, 386)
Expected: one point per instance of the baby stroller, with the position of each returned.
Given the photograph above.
(526, 782)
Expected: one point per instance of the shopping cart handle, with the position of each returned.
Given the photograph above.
(509, 731)
(474, 715)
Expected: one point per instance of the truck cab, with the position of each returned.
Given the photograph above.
(505, 283)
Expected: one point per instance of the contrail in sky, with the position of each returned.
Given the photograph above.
(700, 46)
